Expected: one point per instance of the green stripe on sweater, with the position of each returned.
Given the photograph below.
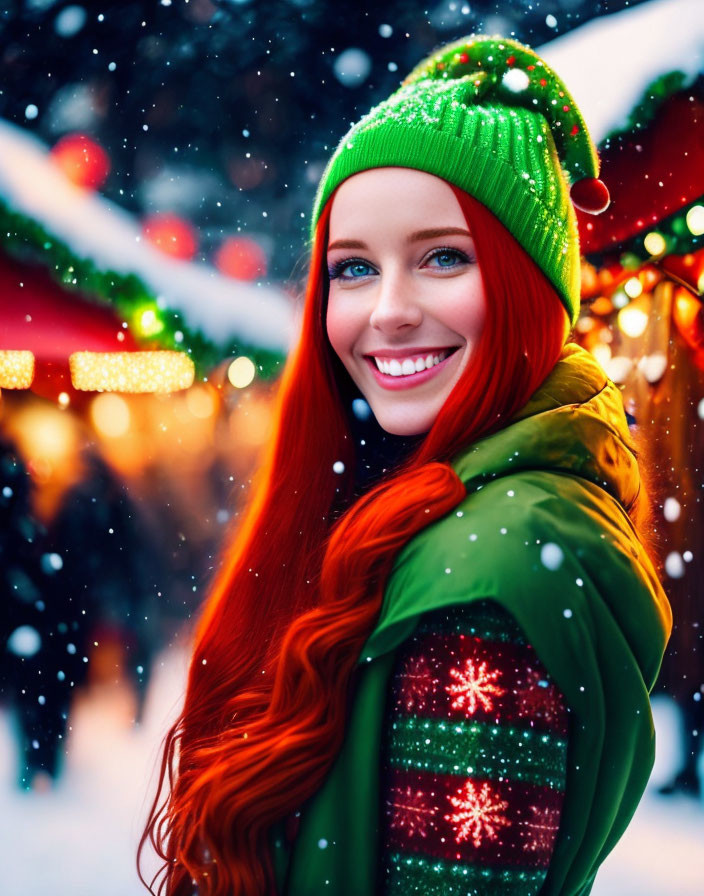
(493, 623)
(434, 877)
(475, 748)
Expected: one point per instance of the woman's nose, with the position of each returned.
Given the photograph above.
(395, 305)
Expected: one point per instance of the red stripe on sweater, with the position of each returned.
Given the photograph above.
(465, 677)
(471, 820)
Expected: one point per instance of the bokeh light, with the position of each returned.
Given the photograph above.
(241, 372)
(110, 415)
(82, 159)
(241, 258)
(172, 235)
(695, 220)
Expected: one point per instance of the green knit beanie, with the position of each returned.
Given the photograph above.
(488, 115)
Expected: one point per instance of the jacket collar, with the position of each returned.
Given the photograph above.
(574, 423)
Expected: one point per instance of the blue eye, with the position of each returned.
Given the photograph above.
(337, 269)
(448, 253)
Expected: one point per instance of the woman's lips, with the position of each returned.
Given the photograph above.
(394, 383)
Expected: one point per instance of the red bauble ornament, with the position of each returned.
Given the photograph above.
(82, 160)
(241, 258)
(590, 195)
(685, 269)
(172, 235)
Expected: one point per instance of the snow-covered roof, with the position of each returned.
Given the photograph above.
(608, 62)
(92, 227)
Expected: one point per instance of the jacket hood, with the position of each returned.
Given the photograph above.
(574, 423)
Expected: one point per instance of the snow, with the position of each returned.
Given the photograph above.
(95, 228)
(607, 63)
(81, 838)
(352, 67)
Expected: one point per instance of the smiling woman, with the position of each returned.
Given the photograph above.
(438, 682)
(406, 318)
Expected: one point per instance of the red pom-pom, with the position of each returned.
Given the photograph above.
(590, 195)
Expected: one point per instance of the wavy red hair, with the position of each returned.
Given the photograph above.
(299, 590)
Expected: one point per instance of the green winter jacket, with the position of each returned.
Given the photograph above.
(543, 530)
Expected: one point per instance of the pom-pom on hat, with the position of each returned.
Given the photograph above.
(488, 115)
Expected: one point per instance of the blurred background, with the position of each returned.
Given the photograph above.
(158, 163)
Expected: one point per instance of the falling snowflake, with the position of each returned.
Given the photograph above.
(480, 813)
(416, 683)
(540, 699)
(539, 833)
(410, 811)
(474, 685)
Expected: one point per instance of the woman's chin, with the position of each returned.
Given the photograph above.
(403, 424)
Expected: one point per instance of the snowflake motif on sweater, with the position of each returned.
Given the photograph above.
(474, 686)
(412, 812)
(480, 814)
(416, 684)
(539, 833)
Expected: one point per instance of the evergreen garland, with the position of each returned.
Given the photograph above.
(27, 240)
(679, 240)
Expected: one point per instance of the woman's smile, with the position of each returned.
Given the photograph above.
(410, 370)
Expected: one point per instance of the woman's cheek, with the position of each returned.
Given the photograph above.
(341, 327)
(465, 312)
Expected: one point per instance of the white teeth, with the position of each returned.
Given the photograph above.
(407, 366)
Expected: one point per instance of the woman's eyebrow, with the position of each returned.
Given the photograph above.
(414, 237)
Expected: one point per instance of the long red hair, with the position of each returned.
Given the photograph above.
(300, 586)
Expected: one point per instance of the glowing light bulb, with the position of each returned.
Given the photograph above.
(16, 369)
(149, 323)
(695, 220)
(653, 366)
(110, 415)
(632, 321)
(602, 353)
(241, 372)
(633, 287)
(655, 243)
(158, 371)
(619, 368)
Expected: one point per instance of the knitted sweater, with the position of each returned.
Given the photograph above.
(474, 759)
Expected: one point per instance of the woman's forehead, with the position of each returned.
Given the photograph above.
(392, 199)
